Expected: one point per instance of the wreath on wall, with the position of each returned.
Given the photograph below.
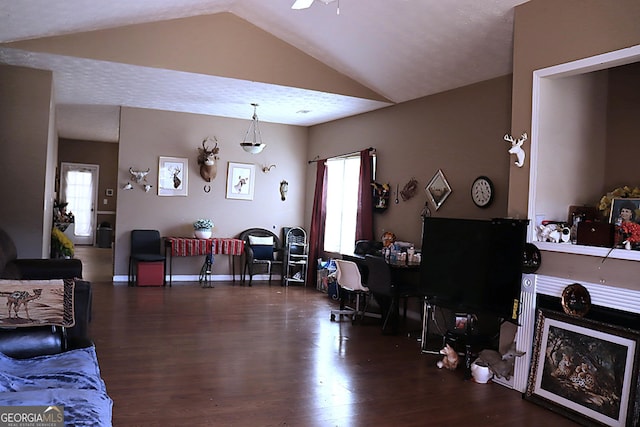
(621, 192)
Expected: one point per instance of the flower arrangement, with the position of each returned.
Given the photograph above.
(60, 214)
(630, 232)
(620, 192)
(203, 224)
(60, 244)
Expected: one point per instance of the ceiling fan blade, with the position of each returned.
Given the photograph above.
(302, 4)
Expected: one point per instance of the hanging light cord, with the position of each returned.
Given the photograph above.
(254, 126)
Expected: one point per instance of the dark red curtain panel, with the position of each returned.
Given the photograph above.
(364, 217)
(318, 216)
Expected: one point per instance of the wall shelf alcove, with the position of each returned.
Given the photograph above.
(582, 120)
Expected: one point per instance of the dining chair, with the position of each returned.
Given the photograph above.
(350, 285)
(146, 247)
(388, 284)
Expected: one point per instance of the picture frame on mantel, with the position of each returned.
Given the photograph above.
(241, 181)
(173, 174)
(624, 209)
(438, 189)
(585, 370)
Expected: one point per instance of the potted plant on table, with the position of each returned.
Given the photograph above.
(202, 228)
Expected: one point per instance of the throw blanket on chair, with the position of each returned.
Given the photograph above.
(70, 379)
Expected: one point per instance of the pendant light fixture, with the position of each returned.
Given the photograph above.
(252, 142)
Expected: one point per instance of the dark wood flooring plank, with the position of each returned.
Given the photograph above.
(270, 356)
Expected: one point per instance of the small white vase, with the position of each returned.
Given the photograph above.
(481, 374)
(627, 245)
(203, 234)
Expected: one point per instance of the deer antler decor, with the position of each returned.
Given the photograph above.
(138, 175)
(516, 148)
(207, 159)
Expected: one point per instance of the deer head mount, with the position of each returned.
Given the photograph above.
(207, 159)
(516, 148)
(138, 176)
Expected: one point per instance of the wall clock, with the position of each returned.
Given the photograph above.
(482, 191)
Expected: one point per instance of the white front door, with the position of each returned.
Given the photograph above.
(79, 188)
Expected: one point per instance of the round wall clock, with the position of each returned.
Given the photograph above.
(482, 191)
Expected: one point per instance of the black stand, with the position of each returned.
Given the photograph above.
(427, 310)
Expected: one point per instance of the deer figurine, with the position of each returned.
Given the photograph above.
(500, 364)
(516, 148)
(207, 160)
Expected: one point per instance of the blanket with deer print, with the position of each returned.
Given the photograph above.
(36, 303)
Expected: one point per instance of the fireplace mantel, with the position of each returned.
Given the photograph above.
(532, 285)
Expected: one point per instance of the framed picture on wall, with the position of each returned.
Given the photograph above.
(241, 181)
(438, 189)
(173, 173)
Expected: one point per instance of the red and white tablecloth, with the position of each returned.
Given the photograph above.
(190, 246)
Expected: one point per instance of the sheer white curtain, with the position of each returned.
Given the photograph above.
(78, 195)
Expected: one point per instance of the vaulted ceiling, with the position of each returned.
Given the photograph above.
(303, 67)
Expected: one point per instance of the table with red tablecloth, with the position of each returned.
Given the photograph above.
(191, 246)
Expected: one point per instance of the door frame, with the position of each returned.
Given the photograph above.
(95, 170)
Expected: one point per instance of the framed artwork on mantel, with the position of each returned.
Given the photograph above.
(585, 370)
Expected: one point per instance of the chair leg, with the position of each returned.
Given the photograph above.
(392, 307)
(129, 275)
(133, 274)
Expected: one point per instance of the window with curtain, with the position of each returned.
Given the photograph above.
(343, 175)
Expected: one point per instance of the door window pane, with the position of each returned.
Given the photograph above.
(78, 193)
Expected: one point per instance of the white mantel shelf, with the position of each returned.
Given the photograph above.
(596, 251)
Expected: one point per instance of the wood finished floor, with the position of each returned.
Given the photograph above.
(270, 356)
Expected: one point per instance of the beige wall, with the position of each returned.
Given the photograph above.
(459, 131)
(147, 134)
(28, 151)
(547, 33)
(622, 127)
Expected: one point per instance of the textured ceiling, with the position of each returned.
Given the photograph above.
(400, 49)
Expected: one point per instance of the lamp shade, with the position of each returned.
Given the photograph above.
(253, 148)
(252, 142)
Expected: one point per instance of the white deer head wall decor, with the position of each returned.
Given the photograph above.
(516, 148)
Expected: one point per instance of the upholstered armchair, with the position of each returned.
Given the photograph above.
(262, 248)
